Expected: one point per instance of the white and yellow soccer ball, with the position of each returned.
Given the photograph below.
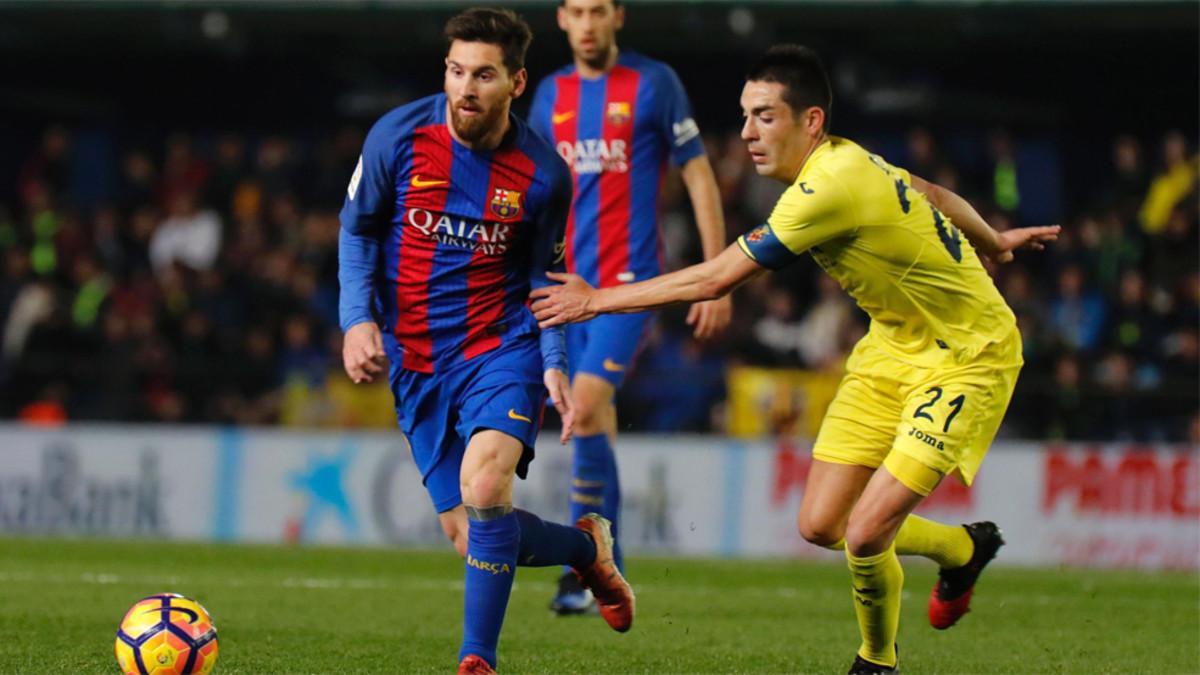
(166, 634)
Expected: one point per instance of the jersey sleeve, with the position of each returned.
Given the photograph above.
(549, 248)
(542, 109)
(808, 214)
(675, 118)
(365, 215)
(549, 255)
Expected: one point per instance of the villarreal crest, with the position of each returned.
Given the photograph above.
(506, 203)
(757, 234)
(618, 113)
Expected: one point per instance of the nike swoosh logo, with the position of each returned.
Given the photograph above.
(418, 183)
(559, 118)
(613, 367)
(514, 415)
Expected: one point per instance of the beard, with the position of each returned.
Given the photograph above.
(472, 129)
(598, 58)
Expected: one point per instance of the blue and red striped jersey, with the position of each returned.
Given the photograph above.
(616, 133)
(440, 244)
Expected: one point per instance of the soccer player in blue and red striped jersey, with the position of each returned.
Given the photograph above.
(455, 211)
(617, 117)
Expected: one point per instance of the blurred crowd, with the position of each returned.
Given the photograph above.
(194, 279)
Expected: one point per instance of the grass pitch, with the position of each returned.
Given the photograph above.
(305, 610)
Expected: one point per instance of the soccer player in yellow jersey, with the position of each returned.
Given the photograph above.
(925, 389)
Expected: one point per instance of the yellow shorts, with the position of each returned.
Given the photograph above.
(943, 418)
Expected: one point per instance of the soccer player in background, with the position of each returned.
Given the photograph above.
(455, 209)
(616, 117)
(925, 390)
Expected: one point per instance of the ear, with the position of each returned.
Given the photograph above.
(619, 17)
(520, 80)
(562, 18)
(814, 121)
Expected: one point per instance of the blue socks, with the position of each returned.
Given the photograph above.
(595, 487)
(612, 506)
(544, 544)
(491, 563)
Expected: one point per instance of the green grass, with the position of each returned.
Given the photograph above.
(303, 610)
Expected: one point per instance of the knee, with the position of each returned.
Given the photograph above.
(825, 534)
(865, 538)
(589, 418)
(485, 487)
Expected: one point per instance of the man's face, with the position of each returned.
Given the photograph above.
(777, 140)
(479, 87)
(591, 27)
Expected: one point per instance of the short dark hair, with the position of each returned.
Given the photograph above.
(500, 27)
(616, 3)
(799, 70)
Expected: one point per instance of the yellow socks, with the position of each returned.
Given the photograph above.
(947, 545)
(877, 581)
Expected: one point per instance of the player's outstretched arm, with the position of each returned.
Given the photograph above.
(574, 300)
(998, 246)
(711, 317)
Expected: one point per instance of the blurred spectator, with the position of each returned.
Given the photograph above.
(48, 169)
(823, 331)
(1177, 180)
(924, 160)
(1004, 191)
(778, 332)
(1077, 314)
(1127, 187)
(224, 310)
(189, 235)
(183, 172)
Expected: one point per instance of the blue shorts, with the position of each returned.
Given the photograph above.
(606, 345)
(501, 389)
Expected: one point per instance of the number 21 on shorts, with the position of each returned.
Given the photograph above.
(955, 405)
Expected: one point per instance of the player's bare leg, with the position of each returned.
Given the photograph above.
(454, 524)
(875, 572)
(829, 494)
(594, 487)
(960, 551)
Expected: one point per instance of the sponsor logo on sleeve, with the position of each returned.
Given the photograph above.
(352, 189)
(685, 131)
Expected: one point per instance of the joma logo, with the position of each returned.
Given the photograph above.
(928, 439)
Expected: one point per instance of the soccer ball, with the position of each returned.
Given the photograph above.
(166, 634)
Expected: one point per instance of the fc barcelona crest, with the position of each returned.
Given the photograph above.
(618, 113)
(506, 204)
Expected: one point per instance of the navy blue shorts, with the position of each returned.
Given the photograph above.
(606, 345)
(501, 390)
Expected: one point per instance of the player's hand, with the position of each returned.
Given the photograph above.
(560, 395)
(709, 319)
(362, 352)
(1033, 238)
(569, 302)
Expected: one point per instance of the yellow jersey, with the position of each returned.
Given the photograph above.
(930, 300)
